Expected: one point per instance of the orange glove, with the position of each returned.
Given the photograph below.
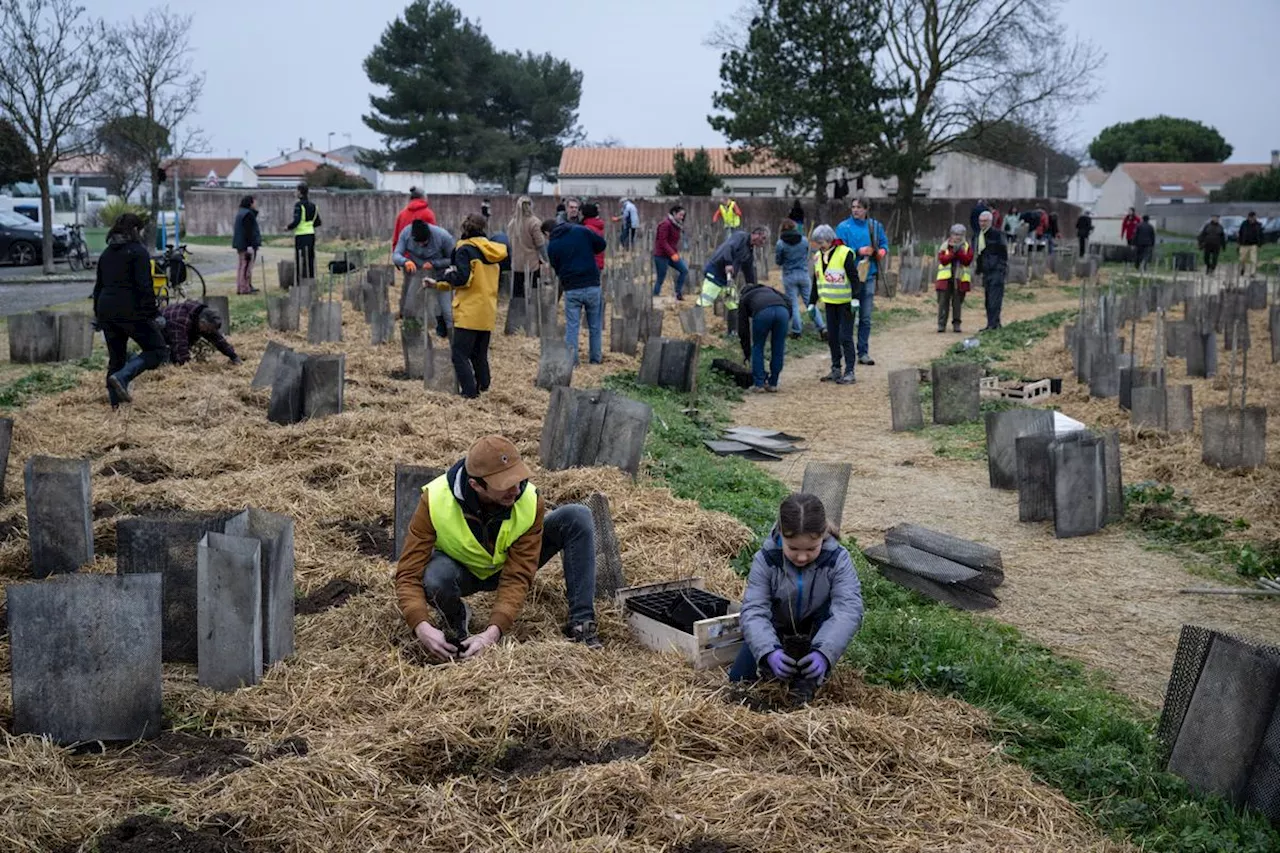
(410, 267)
(881, 254)
(675, 258)
(427, 265)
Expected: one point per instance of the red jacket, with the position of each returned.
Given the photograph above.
(666, 243)
(1129, 227)
(596, 224)
(416, 209)
(961, 257)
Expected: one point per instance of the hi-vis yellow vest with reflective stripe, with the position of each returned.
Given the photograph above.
(833, 282)
(729, 213)
(455, 538)
(305, 226)
(944, 270)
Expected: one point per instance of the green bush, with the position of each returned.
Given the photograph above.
(113, 210)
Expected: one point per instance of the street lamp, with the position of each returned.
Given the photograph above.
(330, 148)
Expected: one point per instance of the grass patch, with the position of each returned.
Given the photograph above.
(995, 347)
(1055, 718)
(248, 313)
(892, 318)
(43, 380)
(966, 442)
(1170, 520)
(1022, 294)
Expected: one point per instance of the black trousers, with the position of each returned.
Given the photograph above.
(117, 334)
(304, 255)
(470, 350)
(518, 281)
(1210, 260)
(1084, 242)
(840, 327)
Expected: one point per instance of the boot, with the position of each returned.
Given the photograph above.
(119, 381)
(833, 376)
(585, 633)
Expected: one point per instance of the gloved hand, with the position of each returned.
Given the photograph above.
(781, 665)
(814, 666)
(443, 285)
(410, 267)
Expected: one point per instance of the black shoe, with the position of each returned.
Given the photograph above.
(442, 328)
(822, 333)
(833, 376)
(585, 633)
(795, 336)
(846, 379)
(984, 329)
(956, 329)
(941, 329)
(122, 391)
(866, 359)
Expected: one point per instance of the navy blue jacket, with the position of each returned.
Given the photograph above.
(572, 250)
(246, 234)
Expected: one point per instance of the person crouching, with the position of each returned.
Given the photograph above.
(803, 602)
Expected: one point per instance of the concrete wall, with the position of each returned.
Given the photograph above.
(365, 215)
(1119, 193)
(641, 186)
(1188, 219)
(1080, 191)
(431, 183)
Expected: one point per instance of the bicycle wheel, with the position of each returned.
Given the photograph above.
(192, 271)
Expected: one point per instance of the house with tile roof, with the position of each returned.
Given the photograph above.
(1146, 185)
(1085, 186)
(231, 172)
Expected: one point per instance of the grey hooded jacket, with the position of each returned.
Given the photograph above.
(780, 599)
(737, 252)
(437, 250)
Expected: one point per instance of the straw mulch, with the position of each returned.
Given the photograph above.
(404, 756)
(1175, 459)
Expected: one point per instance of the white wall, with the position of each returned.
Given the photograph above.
(242, 176)
(956, 175)
(642, 187)
(431, 183)
(1081, 191)
(1118, 194)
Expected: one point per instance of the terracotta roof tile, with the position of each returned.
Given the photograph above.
(652, 162)
(84, 164)
(198, 168)
(294, 169)
(1190, 177)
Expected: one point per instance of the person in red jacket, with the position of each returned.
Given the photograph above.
(591, 219)
(953, 280)
(666, 251)
(1129, 226)
(417, 208)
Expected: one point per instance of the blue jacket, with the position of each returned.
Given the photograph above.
(572, 251)
(823, 599)
(736, 250)
(856, 233)
(791, 255)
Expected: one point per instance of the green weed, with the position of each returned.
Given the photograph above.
(44, 380)
(1170, 519)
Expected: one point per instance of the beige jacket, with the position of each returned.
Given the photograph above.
(527, 244)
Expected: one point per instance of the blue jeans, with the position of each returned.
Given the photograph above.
(769, 323)
(660, 266)
(866, 300)
(798, 294)
(568, 528)
(575, 302)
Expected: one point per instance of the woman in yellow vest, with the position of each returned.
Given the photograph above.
(835, 280)
(729, 213)
(483, 527)
(954, 260)
(306, 219)
(474, 279)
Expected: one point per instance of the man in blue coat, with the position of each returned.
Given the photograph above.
(866, 237)
(572, 250)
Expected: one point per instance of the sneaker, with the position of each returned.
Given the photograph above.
(866, 359)
(772, 389)
(795, 336)
(846, 379)
(585, 633)
(833, 376)
(822, 333)
(941, 329)
(757, 389)
(956, 329)
(119, 387)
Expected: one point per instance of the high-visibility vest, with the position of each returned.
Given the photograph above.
(834, 287)
(944, 270)
(729, 213)
(305, 226)
(455, 538)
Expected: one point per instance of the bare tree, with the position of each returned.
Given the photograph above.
(50, 76)
(966, 67)
(155, 92)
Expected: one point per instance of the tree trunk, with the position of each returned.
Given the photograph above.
(154, 222)
(46, 222)
(906, 196)
(820, 186)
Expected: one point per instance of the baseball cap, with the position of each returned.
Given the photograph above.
(495, 460)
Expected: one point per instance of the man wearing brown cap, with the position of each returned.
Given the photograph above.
(483, 527)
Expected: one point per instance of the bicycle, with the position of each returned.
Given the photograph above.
(77, 249)
(171, 276)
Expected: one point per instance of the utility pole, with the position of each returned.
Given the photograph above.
(1046, 175)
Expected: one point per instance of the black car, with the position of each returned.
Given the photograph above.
(1271, 231)
(20, 239)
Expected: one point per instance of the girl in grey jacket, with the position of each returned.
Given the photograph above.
(803, 602)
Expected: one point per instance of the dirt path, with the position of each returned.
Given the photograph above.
(1103, 599)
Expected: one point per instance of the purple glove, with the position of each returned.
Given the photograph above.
(781, 665)
(814, 666)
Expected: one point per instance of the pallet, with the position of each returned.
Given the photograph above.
(714, 642)
(1027, 390)
(989, 386)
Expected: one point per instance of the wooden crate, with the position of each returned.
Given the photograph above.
(1028, 390)
(989, 386)
(714, 642)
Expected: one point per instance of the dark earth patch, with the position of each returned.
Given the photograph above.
(147, 834)
(707, 845)
(145, 471)
(372, 538)
(13, 528)
(325, 475)
(192, 758)
(333, 594)
(531, 758)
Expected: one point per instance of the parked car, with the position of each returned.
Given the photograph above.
(1271, 231)
(20, 239)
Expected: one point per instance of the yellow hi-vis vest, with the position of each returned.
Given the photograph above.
(455, 538)
(305, 226)
(834, 287)
(729, 213)
(944, 270)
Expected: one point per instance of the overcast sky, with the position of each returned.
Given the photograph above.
(283, 69)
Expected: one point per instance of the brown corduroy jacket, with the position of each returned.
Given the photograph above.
(513, 584)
